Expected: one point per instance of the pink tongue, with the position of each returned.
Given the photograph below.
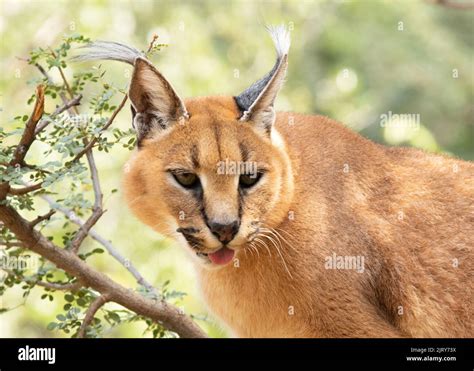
(222, 256)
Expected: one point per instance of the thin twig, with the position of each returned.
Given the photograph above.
(66, 83)
(152, 43)
(43, 72)
(98, 197)
(105, 127)
(97, 211)
(29, 166)
(41, 218)
(49, 79)
(68, 104)
(73, 286)
(91, 311)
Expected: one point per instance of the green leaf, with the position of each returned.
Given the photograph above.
(69, 298)
(51, 326)
(114, 317)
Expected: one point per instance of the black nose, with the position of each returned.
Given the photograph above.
(224, 232)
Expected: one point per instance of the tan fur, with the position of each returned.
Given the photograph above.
(328, 190)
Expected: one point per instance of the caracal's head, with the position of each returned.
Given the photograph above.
(211, 172)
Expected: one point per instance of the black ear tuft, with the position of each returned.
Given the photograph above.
(256, 102)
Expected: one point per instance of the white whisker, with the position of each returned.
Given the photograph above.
(256, 250)
(279, 252)
(283, 238)
(258, 240)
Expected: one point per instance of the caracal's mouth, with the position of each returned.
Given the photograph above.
(222, 256)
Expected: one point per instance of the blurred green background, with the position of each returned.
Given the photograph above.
(350, 60)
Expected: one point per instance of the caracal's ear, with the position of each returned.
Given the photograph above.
(155, 104)
(256, 103)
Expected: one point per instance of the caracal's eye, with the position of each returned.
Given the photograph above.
(249, 180)
(187, 180)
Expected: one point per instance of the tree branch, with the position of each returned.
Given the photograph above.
(29, 133)
(97, 211)
(155, 309)
(171, 317)
(91, 311)
(25, 190)
(107, 244)
(40, 218)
